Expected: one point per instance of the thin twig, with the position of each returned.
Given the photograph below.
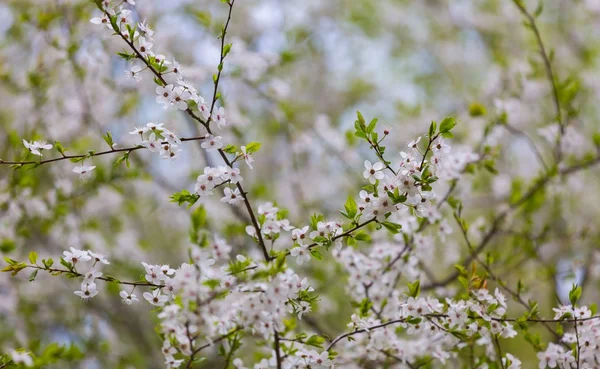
(549, 74)
(90, 154)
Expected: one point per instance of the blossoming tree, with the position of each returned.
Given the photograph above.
(264, 218)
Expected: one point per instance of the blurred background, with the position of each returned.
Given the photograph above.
(297, 73)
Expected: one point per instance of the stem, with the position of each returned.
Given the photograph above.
(77, 274)
(578, 346)
(215, 92)
(427, 149)
(347, 233)
(549, 74)
(91, 154)
(277, 353)
(497, 344)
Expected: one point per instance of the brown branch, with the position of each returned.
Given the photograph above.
(277, 353)
(402, 320)
(106, 279)
(206, 125)
(90, 154)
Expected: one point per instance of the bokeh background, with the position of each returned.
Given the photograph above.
(297, 73)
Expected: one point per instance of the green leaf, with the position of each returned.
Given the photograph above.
(33, 275)
(253, 147)
(7, 245)
(360, 134)
(316, 254)
(414, 288)
(538, 10)
(361, 120)
(351, 207)
(394, 228)
(33, 257)
(230, 149)
(316, 341)
(596, 139)
(432, 128)
(204, 18)
(314, 219)
(48, 263)
(447, 124)
(365, 307)
(108, 139)
(461, 269)
(126, 56)
(575, 294)
(490, 166)
(113, 23)
(124, 158)
(476, 109)
(372, 126)
(59, 147)
(226, 49)
(183, 197)
(66, 264)
(362, 236)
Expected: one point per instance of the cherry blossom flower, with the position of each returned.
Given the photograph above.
(177, 72)
(128, 298)
(152, 143)
(146, 30)
(299, 234)
(138, 131)
(179, 98)
(441, 145)
(414, 145)
(21, 357)
(301, 253)
(84, 171)
(212, 143)
(90, 276)
(98, 258)
(104, 19)
(165, 95)
(373, 172)
(155, 298)
(134, 72)
(204, 110)
(37, 146)
(232, 175)
(219, 117)
(232, 197)
(247, 157)
(88, 290)
(123, 16)
(75, 256)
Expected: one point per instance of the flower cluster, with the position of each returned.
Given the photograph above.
(216, 176)
(156, 138)
(272, 222)
(36, 147)
(73, 258)
(180, 93)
